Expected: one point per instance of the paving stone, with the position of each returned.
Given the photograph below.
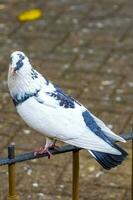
(103, 193)
(91, 61)
(41, 196)
(3, 182)
(100, 88)
(114, 121)
(128, 195)
(85, 47)
(119, 63)
(126, 10)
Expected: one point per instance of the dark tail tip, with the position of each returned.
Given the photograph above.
(109, 161)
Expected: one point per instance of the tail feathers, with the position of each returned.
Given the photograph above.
(109, 161)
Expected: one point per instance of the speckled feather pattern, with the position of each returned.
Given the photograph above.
(50, 111)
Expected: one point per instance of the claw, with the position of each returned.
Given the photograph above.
(45, 149)
(41, 151)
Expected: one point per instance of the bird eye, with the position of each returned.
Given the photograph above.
(20, 56)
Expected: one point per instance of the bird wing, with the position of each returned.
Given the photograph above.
(56, 97)
(92, 142)
(107, 131)
(73, 128)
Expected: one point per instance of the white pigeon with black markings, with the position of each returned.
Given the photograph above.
(50, 111)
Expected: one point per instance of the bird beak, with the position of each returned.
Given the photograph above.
(12, 70)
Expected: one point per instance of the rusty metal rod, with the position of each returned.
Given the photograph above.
(75, 183)
(64, 149)
(12, 175)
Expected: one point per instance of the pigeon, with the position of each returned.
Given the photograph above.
(46, 108)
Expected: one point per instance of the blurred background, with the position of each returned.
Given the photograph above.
(85, 47)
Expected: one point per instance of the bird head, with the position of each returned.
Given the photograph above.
(18, 61)
(21, 75)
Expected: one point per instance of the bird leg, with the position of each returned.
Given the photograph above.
(45, 149)
(54, 146)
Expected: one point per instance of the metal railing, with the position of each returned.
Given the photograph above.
(12, 159)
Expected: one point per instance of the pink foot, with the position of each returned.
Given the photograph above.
(41, 151)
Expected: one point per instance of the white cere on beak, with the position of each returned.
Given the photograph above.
(17, 61)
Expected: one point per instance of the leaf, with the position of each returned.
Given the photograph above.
(30, 15)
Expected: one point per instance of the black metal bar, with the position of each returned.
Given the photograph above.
(127, 136)
(11, 151)
(11, 171)
(64, 149)
(30, 155)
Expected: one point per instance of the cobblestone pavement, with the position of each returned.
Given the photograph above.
(86, 47)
